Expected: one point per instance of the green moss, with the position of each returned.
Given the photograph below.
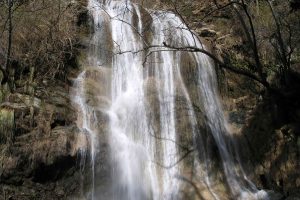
(4, 91)
(7, 124)
(81, 59)
(1, 76)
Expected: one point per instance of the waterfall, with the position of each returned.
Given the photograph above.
(141, 97)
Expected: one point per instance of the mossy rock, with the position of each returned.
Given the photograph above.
(4, 91)
(2, 95)
(1, 76)
(7, 124)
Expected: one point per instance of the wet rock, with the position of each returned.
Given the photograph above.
(96, 87)
(147, 21)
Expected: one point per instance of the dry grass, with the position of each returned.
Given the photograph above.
(44, 35)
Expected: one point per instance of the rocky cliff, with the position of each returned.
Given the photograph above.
(39, 146)
(266, 127)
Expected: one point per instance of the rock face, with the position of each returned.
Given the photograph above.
(35, 167)
(268, 143)
(39, 158)
(266, 129)
(41, 147)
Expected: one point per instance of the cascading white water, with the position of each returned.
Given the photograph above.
(87, 125)
(131, 142)
(144, 152)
